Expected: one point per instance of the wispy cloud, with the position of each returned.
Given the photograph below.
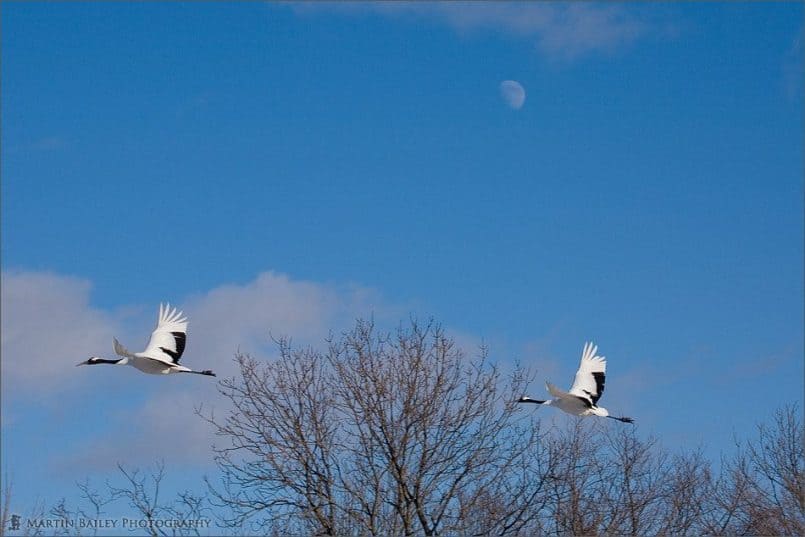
(48, 143)
(38, 145)
(560, 31)
(192, 105)
(792, 67)
(758, 365)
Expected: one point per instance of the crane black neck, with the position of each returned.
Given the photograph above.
(95, 361)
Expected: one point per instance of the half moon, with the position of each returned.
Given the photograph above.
(513, 93)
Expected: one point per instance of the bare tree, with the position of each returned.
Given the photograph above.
(179, 516)
(761, 490)
(5, 503)
(70, 518)
(380, 434)
(687, 493)
(96, 500)
(67, 518)
(778, 463)
(142, 494)
(281, 456)
(586, 477)
(402, 434)
(7, 514)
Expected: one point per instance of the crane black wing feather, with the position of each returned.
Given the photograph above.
(169, 338)
(600, 378)
(179, 338)
(591, 376)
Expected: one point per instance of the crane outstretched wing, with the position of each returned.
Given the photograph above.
(589, 381)
(169, 337)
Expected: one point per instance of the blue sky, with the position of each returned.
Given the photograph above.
(287, 168)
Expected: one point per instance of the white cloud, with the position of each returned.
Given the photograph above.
(163, 428)
(559, 30)
(580, 28)
(245, 317)
(792, 67)
(48, 326)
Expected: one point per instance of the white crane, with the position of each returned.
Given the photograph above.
(588, 386)
(161, 356)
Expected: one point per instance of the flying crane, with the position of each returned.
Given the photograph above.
(161, 356)
(588, 386)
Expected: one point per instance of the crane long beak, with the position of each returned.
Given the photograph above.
(85, 362)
